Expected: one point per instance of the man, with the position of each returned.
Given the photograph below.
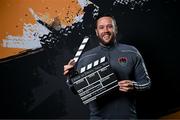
(129, 67)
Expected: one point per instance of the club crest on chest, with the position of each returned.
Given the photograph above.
(123, 61)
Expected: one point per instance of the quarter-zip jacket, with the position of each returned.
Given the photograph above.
(127, 64)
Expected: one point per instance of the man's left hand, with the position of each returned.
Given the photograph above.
(125, 85)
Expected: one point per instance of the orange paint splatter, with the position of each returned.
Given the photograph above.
(14, 13)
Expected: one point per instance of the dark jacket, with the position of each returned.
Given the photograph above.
(127, 64)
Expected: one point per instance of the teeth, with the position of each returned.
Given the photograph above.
(106, 36)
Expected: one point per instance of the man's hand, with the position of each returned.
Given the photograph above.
(125, 85)
(68, 67)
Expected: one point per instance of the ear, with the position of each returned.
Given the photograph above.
(116, 30)
(96, 32)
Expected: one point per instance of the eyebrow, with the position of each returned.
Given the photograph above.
(105, 25)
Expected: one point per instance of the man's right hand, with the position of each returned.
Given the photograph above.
(68, 67)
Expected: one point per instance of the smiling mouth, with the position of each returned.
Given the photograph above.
(106, 36)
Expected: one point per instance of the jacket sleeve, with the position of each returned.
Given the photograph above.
(72, 73)
(142, 80)
(70, 85)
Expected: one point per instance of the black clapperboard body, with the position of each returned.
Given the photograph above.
(95, 80)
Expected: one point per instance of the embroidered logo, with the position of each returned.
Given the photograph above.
(123, 61)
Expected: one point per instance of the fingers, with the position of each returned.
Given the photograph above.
(125, 85)
(69, 66)
(66, 69)
(71, 62)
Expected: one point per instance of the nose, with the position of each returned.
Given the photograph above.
(106, 29)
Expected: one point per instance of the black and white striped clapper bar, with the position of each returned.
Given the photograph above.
(94, 80)
(78, 54)
(81, 48)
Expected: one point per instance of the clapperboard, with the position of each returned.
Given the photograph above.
(94, 80)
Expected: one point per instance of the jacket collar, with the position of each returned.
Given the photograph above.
(108, 46)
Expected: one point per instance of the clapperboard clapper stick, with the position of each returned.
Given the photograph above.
(78, 55)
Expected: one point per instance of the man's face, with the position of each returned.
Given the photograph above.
(106, 30)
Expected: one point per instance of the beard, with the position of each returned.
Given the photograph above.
(106, 38)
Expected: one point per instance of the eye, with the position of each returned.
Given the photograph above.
(101, 27)
(110, 26)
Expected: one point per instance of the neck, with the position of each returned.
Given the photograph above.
(108, 45)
